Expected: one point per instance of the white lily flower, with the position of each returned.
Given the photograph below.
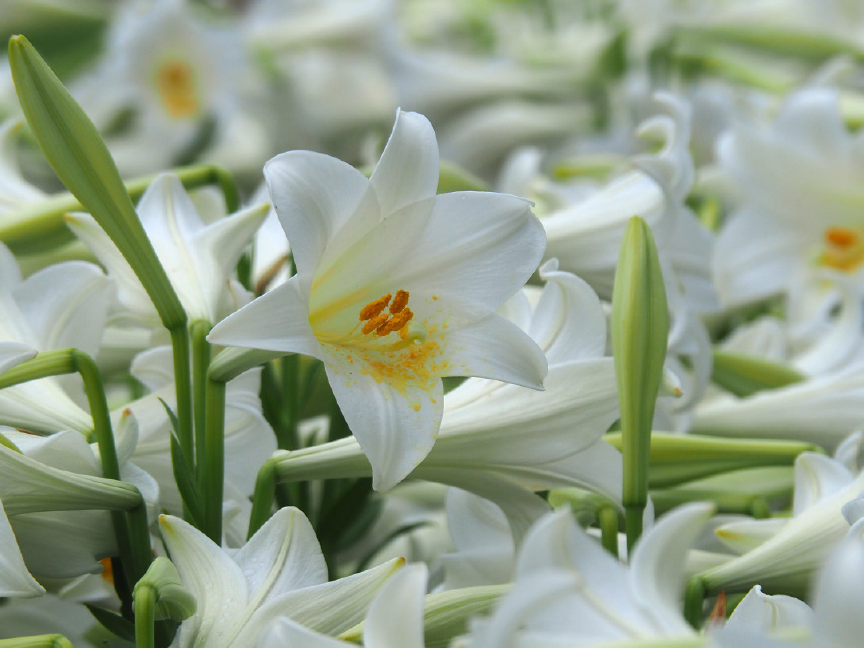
(570, 592)
(179, 75)
(67, 544)
(784, 553)
(15, 190)
(503, 441)
(279, 572)
(395, 288)
(394, 620)
(61, 306)
(764, 613)
(199, 257)
(800, 230)
(249, 439)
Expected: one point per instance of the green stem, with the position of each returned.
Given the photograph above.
(213, 472)
(145, 603)
(200, 364)
(694, 596)
(43, 227)
(607, 516)
(183, 386)
(262, 499)
(290, 388)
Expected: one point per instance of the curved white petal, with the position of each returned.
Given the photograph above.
(395, 618)
(330, 608)
(817, 477)
(569, 322)
(282, 556)
(743, 535)
(276, 321)
(395, 426)
(837, 596)
(14, 353)
(15, 580)
(763, 613)
(656, 569)
(66, 304)
(314, 195)
(754, 257)
(495, 348)
(408, 168)
(209, 575)
(478, 247)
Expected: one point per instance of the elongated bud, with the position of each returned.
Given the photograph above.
(640, 327)
(172, 599)
(81, 160)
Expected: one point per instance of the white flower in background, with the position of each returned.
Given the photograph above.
(279, 572)
(61, 306)
(504, 441)
(249, 439)
(176, 81)
(395, 288)
(569, 591)
(329, 54)
(799, 232)
(67, 544)
(15, 191)
(784, 552)
(394, 620)
(199, 256)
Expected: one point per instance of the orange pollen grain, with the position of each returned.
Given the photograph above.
(840, 237)
(375, 322)
(374, 308)
(399, 301)
(396, 323)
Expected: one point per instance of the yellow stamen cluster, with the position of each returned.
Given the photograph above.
(385, 323)
(844, 249)
(176, 83)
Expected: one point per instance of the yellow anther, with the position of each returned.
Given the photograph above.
(399, 301)
(375, 322)
(837, 236)
(396, 323)
(176, 83)
(374, 308)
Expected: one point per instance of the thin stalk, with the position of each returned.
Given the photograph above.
(607, 516)
(145, 603)
(262, 499)
(183, 386)
(694, 597)
(290, 384)
(633, 523)
(213, 471)
(200, 365)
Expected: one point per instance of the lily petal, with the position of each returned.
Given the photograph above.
(15, 580)
(395, 618)
(408, 168)
(394, 427)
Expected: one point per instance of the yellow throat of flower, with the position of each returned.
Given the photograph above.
(175, 81)
(843, 249)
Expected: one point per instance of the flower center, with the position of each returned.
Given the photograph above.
(385, 323)
(176, 83)
(844, 249)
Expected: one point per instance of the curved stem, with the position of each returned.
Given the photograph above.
(183, 387)
(262, 499)
(200, 364)
(145, 602)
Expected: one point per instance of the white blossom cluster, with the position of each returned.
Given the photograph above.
(432, 323)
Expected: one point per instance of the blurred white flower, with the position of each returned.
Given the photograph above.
(395, 288)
